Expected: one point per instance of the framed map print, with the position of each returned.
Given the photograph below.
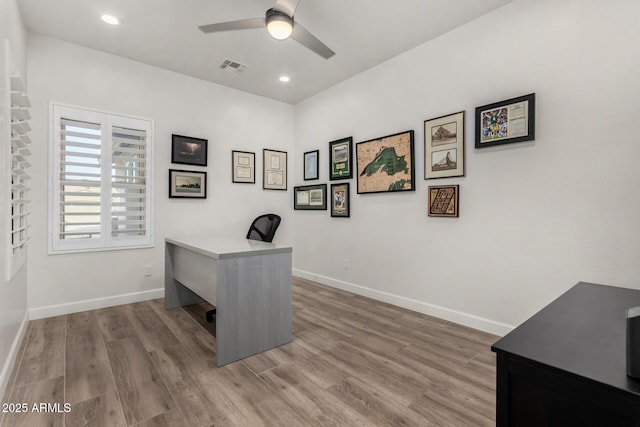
(386, 164)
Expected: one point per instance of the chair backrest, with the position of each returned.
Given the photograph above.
(264, 227)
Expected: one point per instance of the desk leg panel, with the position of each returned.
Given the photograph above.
(175, 293)
(254, 305)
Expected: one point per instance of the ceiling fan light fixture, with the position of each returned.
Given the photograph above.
(279, 24)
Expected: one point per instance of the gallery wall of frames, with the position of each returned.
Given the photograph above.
(387, 164)
(381, 165)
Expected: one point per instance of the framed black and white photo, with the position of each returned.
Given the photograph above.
(444, 146)
(188, 151)
(310, 197)
(244, 167)
(187, 184)
(274, 169)
(311, 165)
(506, 122)
(340, 200)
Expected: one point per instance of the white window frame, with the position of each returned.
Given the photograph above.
(106, 242)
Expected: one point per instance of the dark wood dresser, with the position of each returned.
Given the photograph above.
(566, 365)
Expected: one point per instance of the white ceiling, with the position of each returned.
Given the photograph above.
(165, 33)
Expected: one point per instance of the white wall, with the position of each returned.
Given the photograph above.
(229, 119)
(535, 217)
(13, 295)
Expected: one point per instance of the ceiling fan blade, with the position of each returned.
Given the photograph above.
(287, 6)
(308, 40)
(243, 24)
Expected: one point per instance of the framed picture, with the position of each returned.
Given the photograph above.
(188, 151)
(243, 167)
(311, 165)
(310, 197)
(340, 200)
(505, 122)
(341, 159)
(274, 170)
(187, 184)
(443, 200)
(444, 146)
(386, 164)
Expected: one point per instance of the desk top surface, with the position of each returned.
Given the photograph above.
(583, 332)
(225, 247)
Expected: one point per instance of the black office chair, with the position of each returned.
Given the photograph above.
(262, 228)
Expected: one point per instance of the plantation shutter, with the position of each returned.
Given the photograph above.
(128, 182)
(80, 180)
(101, 184)
(20, 128)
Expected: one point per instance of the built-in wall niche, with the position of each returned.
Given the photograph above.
(18, 154)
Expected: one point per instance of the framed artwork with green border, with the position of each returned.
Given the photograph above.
(341, 159)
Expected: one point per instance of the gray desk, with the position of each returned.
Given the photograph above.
(248, 281)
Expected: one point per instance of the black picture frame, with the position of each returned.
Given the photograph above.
(310, 164)
(243, 167)
(310, 197)
(341, 159)
(382, 164)
(274, 169)
(186, 150)
(185, 184)
(340, 200)
(506, 122)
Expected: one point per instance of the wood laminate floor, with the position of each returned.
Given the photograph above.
(353, 361)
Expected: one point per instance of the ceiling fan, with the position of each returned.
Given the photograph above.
(280, 25)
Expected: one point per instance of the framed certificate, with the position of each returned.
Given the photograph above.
(244, 167)
(274, 170)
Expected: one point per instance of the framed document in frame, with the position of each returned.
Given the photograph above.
(274, 169)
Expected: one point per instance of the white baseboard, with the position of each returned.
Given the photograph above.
(93, 304)
(10, 363)
(470, 320)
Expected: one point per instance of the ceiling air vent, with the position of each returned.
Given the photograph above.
(232, 66)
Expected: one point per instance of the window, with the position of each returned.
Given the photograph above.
(101, 181)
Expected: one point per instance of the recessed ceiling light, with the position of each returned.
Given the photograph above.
(284, 79)
(110, 19)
